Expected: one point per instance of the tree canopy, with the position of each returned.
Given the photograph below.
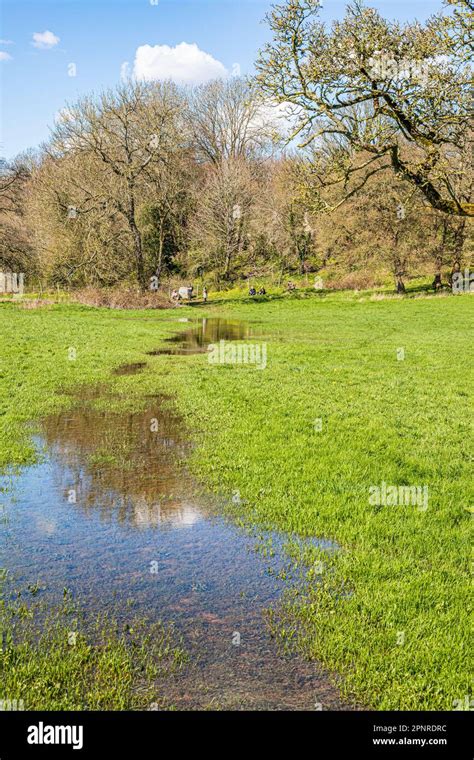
(400, 94)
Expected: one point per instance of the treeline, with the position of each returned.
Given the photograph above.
(331, 160)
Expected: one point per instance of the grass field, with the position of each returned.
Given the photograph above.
(356, 392)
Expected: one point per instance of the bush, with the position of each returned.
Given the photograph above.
(123, 298)
(355, 281)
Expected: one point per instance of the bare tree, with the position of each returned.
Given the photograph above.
(164, 216)
(220, 225)
(284, 217)
(129, 132)
(228, 121)
(16, 249)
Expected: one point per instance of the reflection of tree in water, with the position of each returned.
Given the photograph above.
(203, 334)
(126, 465)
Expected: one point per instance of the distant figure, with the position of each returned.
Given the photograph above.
(262, 292)
(252, 292)
(175, 295)
(204, 294)
(291, 286)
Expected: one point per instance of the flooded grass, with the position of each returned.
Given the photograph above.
(64, 658)
(203, 333)
(112, 514)
(388, 611)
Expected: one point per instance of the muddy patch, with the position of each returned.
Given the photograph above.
(129, 369)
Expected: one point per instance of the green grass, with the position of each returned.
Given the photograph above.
(391, 612)
(62, 661)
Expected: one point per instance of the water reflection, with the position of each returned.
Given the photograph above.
(201, 335)
(111, 514)
(126, 465)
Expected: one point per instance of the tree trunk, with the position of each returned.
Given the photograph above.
(302, 263)
(159, 265)
(459, 240)
(398, 267)
(228, 257)
(437, 283)
(137, 244)
(400, 284)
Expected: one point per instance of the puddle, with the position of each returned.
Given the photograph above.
(197, 338)
(112, 514)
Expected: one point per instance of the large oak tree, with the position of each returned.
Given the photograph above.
(380, 94)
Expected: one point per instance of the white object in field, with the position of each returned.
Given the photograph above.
(186, 293)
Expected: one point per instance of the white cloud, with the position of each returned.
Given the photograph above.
(184, 64)
(279, 119)
(124, 71)
(5, 56)
(44, 40)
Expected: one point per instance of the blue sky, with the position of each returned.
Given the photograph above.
(100, 36)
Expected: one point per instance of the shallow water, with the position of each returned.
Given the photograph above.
(112, 514)
(201, 334)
